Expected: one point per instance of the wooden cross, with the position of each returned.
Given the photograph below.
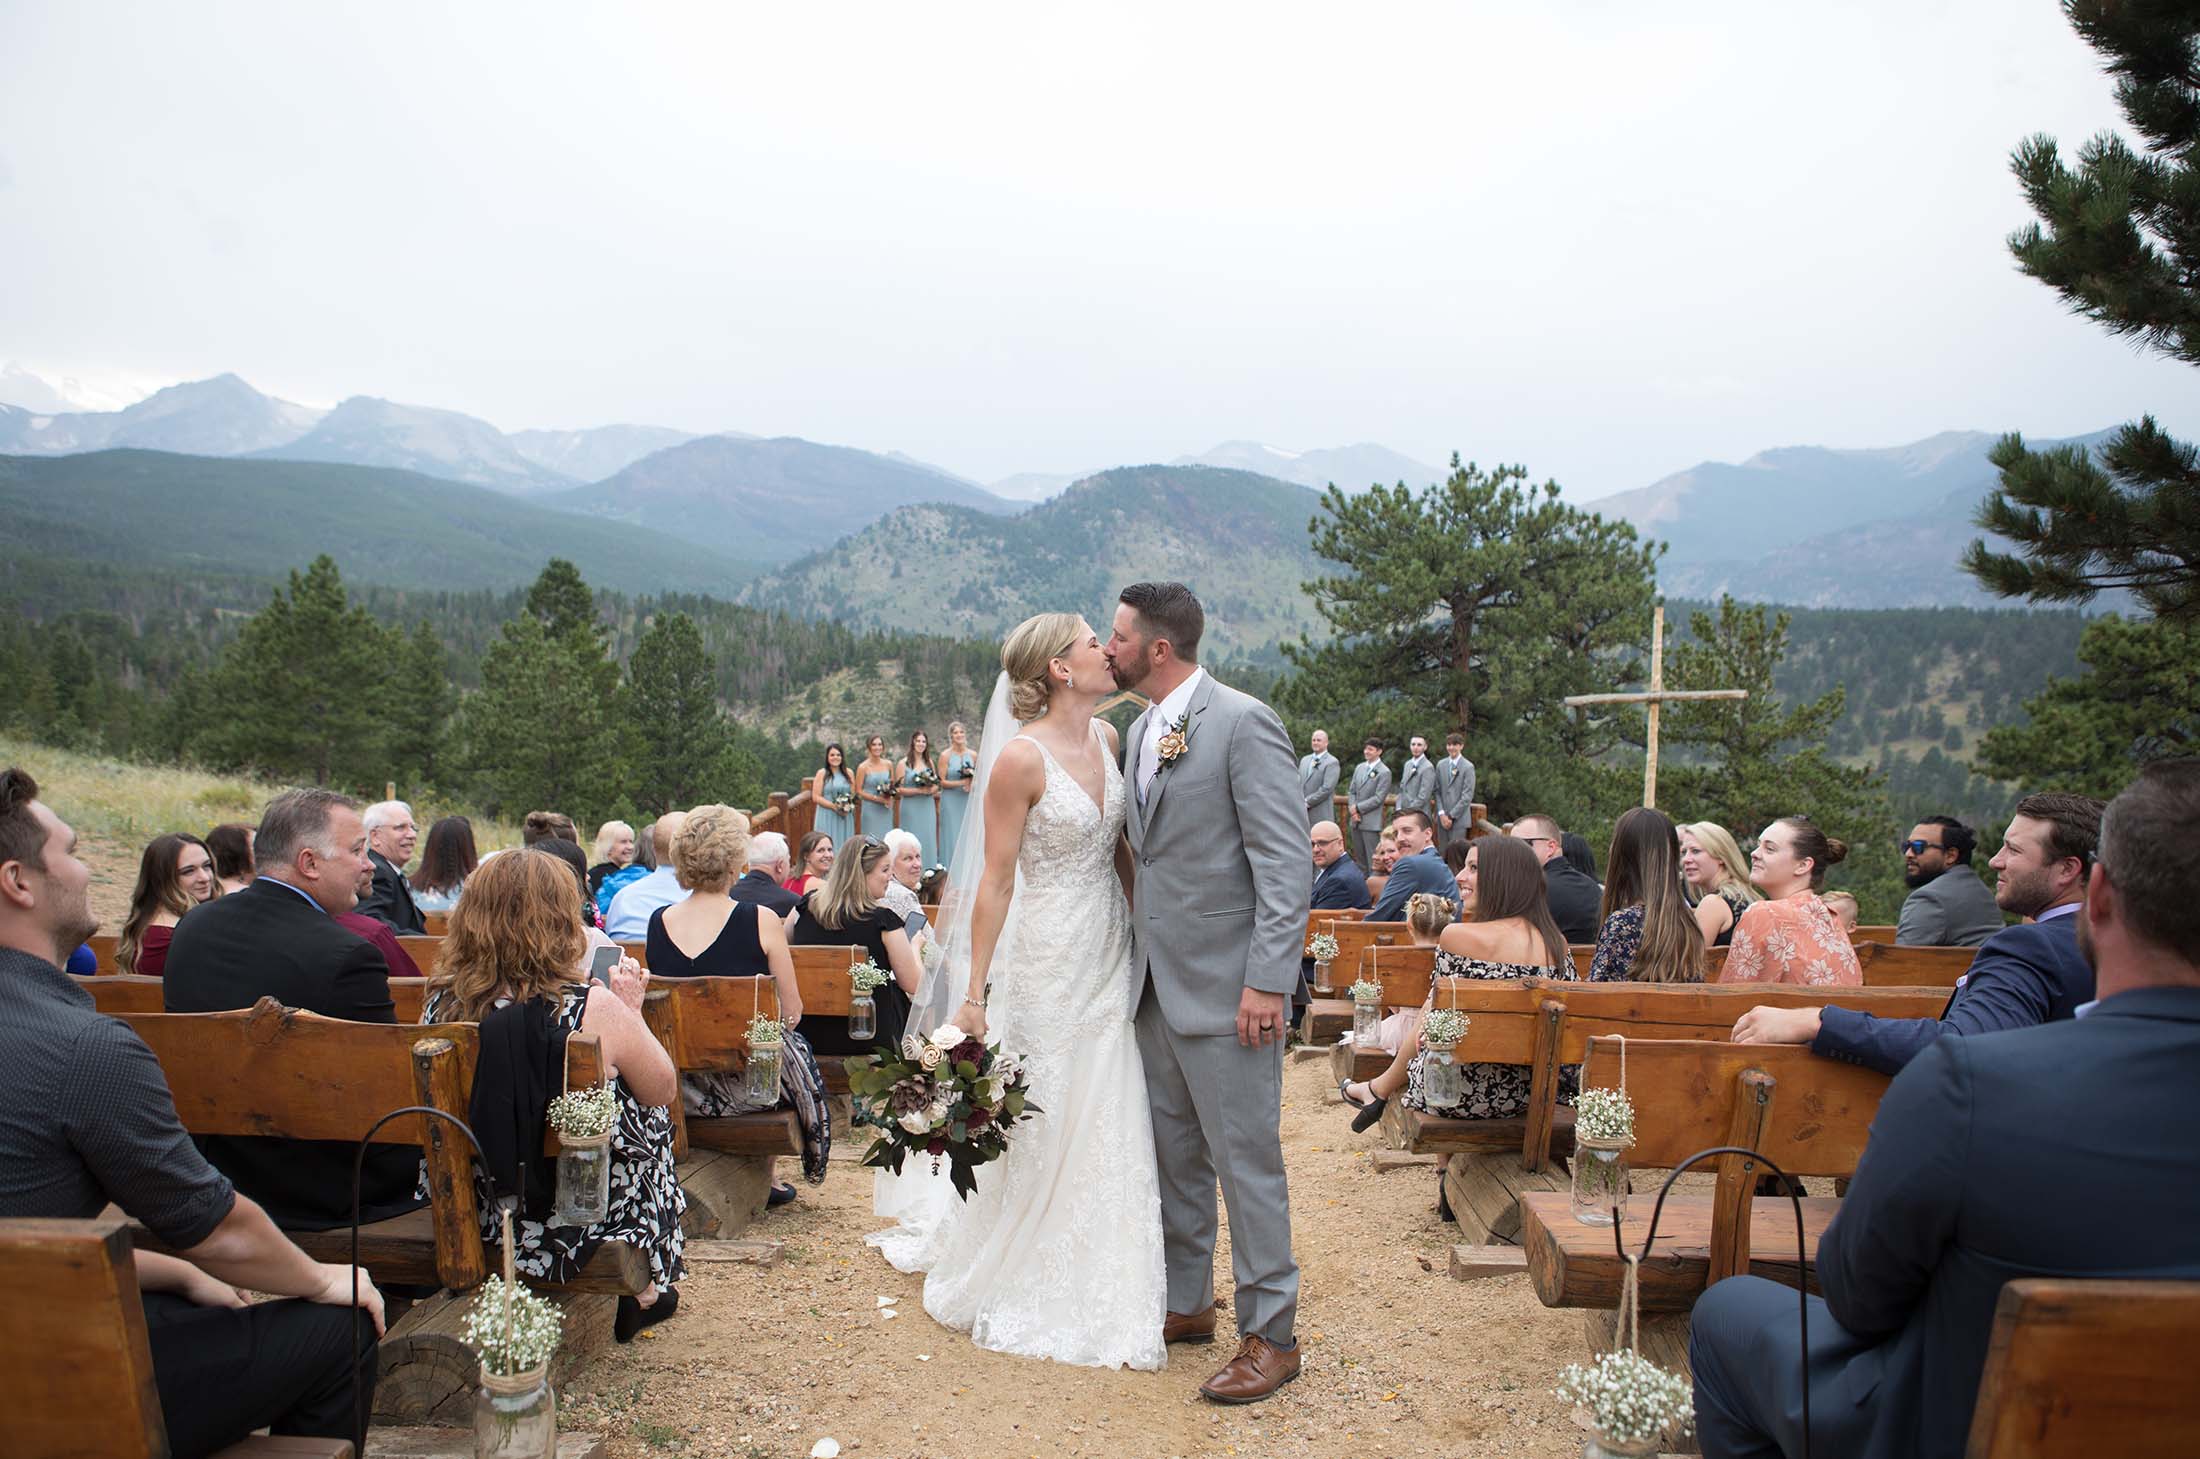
(1655, 696)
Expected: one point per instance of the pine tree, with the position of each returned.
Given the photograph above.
(2140, 701)
(683, 745)
(546, 730)
(562, 601)
(422, 698)
(1478, 603)
(2119, 239)
(302, 691)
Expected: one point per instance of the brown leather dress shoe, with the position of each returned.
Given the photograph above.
(1197, 1327)
(1258, 1370)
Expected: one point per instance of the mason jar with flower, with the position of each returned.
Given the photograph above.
(585, 1120)
(1442, 1086)
(1629, 1405)
(864, 979)
(767, 1047)
(1604, 1128)
(1323, 950)
(1367, 1014)
(515, 1333)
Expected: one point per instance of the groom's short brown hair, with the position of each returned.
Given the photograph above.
(1170, 611)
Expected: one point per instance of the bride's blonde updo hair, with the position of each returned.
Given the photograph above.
(1035, 643)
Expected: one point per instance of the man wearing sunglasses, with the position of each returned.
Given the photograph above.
(1948, 905)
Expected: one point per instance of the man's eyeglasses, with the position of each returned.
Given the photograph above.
(1917, 848)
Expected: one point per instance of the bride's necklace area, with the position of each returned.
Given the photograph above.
(1087, 758)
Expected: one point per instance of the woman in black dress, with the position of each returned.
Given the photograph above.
(708, 934)
(847, 912)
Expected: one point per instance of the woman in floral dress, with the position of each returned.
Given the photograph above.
(1792, 936)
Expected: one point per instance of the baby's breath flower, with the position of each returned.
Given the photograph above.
(1604, 1114)
(1365, 992)
(766, 1031)
(1444, 1027)
(1628, 1398)
(535, 1324)
(583, 1114)
(1323, 948)
(867, 976)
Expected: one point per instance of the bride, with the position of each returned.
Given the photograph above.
(1057, 1254)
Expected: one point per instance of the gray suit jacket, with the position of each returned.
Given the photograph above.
(1318, 778)
(1417, 786)
(1370, 783)
(1220, 897)
(1455, 789)
(1954, 909)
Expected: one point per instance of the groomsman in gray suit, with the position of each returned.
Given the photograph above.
(1417, 781)
(1454, 791)
(1364, 802)
(1318, 774)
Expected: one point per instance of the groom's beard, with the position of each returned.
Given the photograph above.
(1131, 675)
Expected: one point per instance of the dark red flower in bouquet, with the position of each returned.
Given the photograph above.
(971, 1050)
(979, 1118)
(936, 1148)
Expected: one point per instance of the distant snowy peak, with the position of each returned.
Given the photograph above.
(366, 431)
(1353, 468)
(223, 416)
(63, 392)
(597, 452)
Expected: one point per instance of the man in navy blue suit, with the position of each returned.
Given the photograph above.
(2064, 1149)
(1339, 884)
(2021, 976)
(1419, 868)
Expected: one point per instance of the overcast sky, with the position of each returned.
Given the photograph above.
(1606, 239)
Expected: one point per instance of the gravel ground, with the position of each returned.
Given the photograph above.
(764, 1362)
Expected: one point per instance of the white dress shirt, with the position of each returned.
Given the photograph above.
(1165, 714)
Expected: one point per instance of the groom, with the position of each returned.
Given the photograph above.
(1218, 923)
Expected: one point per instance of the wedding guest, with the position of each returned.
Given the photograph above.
(548, 825)
(390, 840)
(1318, 772)
(1338, 881)
(1419, 867)
(645, 848)
(813, 863)
(231, 845)
(571, 854)
(175, 874)
(934, 887)
(1792, 937)
(874, 789)
(2025, 975)
(830, 784)
(1364, 797)
(764, 883)
(1576, 899)
(1845, 911)
(447, 858)
(1948, 906)
(1426, 916)
(958, 771)
(614, 852)
(627, 918)
(1579, 854)
(1648, 934)
(1460, 856)
(1386, 856)
(917, 794)
(377, 932)
(89, 1122)
(1717, 878)
(712, 933)
(2059, 1150)
(1417, 780)
(278, 939)
(905, 873)
(1512, 936)
(512, 963)
(1454, 791)
(849, 911)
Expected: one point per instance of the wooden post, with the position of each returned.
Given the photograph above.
(1535, 1143)
(460, 1262)
(1657, 688)
(1735, 1200)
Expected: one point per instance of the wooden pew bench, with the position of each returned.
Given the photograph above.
(1885, 965)
(76, 1366)
(1808, 1115)
(426, 952)
(1325, 1018)
(2083, 1369)
(126, 993)
(1547, 1023)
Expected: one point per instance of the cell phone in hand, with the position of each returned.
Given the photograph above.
(606, 958)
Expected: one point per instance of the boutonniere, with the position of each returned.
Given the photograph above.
(1175, 740)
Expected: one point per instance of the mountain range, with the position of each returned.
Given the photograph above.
(1351, 467)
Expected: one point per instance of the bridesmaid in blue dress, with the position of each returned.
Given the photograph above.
(920, 802)
(874, 779)
(831, 783)
(957, 768)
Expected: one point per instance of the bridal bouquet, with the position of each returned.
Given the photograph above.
(948, 1096)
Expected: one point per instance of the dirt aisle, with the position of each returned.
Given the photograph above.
(1399, 1359)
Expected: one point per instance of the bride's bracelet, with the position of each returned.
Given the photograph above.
(974, 1002)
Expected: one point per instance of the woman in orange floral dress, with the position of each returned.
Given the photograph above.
(1792, 936)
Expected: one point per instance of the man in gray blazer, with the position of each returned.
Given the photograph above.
(1318, 774)
(1454, 791)
(1948, 906)
(1364, 803)
(1417, 781)
(1218, 923)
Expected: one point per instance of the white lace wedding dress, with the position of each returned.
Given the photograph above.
(1057, 1254)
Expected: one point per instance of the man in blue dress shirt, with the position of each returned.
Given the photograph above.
(1339, 884)
(2024, 975)
(1419, 868)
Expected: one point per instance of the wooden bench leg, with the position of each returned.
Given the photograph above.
(1484, 1194)
(725, 1193)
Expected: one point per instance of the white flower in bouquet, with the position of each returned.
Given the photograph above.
(947, 1037)
(917, 1121)
(911, 1046)
(1365, 992)
(930, 1057)
(1323, 948)
(1604, 1114)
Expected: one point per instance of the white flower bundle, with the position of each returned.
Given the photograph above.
(585, 1114)
(1323, 948)
(867, 976)
(534, 1328)
(766, 1032)
(1604, 1114)
(1365, 992)
(1627, 1398)
(1444, 1027)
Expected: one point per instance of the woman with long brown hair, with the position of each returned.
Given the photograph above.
(917, 790)
(850, 911)
(813, 862)
(1792, 936)
(175, 874)
(1512, 936)
(1647, 934)
(231, 844)
(514, 951)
